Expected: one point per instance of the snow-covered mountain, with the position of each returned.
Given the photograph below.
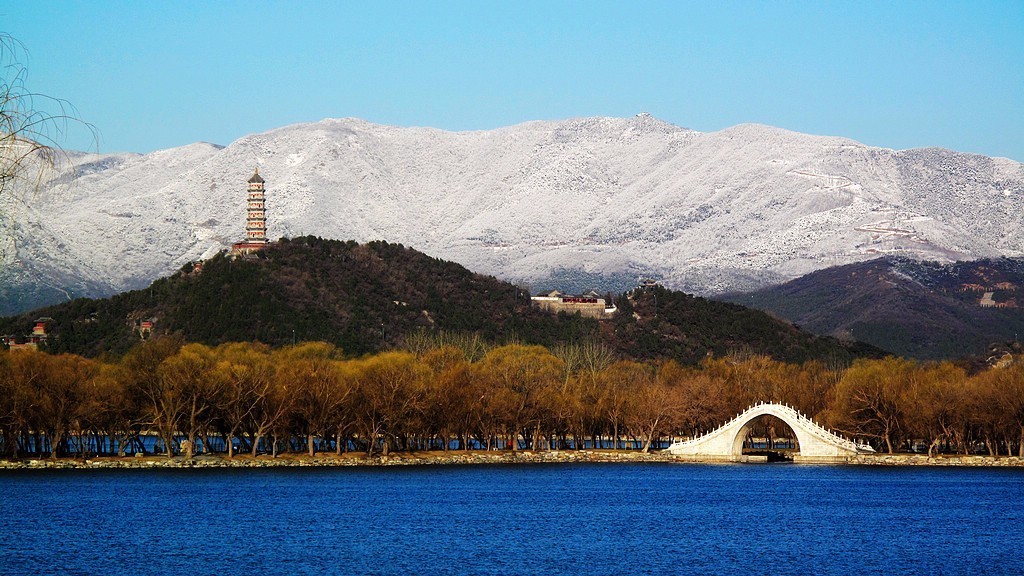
(577, 199)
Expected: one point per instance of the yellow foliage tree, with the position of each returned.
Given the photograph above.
(870, 399)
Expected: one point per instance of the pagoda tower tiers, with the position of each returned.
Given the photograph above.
(255, 218)
(256, 215)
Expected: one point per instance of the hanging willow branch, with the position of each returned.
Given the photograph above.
(32, 125)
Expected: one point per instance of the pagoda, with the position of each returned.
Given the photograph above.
(255, 219)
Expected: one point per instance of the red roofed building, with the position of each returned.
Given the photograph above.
(29, 341)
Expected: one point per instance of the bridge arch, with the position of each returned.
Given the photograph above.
(744, 429)
(725, 443)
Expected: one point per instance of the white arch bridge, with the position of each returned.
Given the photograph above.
(725, 443)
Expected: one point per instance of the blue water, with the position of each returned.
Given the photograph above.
(557, 519)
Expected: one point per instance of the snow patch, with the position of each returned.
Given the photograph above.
(734, 209)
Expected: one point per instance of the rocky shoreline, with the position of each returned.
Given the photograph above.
(332, 460)
(944, 460)
(461, 458)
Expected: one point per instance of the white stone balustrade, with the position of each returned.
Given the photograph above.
(725, 443)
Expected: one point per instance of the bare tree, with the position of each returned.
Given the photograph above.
(449, 395)
(619, 384)
(189, 394)
(246, 374)
(32, 125)
(700, 396)
(59, 395)
(140, 374)
(936, 401)
(869, 400)
(516, 375)
(310, 373)
(391, 393)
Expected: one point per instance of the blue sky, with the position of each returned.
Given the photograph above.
(153, 75)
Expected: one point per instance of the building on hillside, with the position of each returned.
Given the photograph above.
(988, 301)
(145, 327)
(31, 341)
(647, 283)
(39, 329)
(590, 305)
(255, 218)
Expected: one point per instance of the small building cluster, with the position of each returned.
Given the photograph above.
(590, 305)
(647, 283)
(144, 327)
(988, 294)
(988, 301)
(31, 341)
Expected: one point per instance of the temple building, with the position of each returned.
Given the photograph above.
(255, 218)
(31, 341)
(589, 305)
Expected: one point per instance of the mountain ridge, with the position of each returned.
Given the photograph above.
(705, 212)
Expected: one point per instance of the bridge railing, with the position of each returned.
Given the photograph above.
(809, 424)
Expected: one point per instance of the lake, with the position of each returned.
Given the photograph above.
(591, 519)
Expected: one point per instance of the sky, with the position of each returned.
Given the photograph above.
(906, 74)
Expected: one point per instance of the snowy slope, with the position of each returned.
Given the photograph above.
(707, 212)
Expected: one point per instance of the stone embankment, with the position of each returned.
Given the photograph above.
(462, 458)
(331, 460)
(944, 460)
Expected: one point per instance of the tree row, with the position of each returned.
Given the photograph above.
(450, 392)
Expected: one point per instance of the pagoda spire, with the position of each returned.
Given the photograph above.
(256, 214)
(255, 217)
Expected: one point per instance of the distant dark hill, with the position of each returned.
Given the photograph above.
(366, 297)
(660, 323)
(917, 309)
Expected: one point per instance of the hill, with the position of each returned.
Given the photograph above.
(366, 297)
(918, 309)
(661, 323)
(548, 204)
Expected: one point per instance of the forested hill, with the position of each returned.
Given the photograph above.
(368, 297)
(661, 323)
(917, 309)
(361, 297)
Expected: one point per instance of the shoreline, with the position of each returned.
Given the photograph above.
(470, 458)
